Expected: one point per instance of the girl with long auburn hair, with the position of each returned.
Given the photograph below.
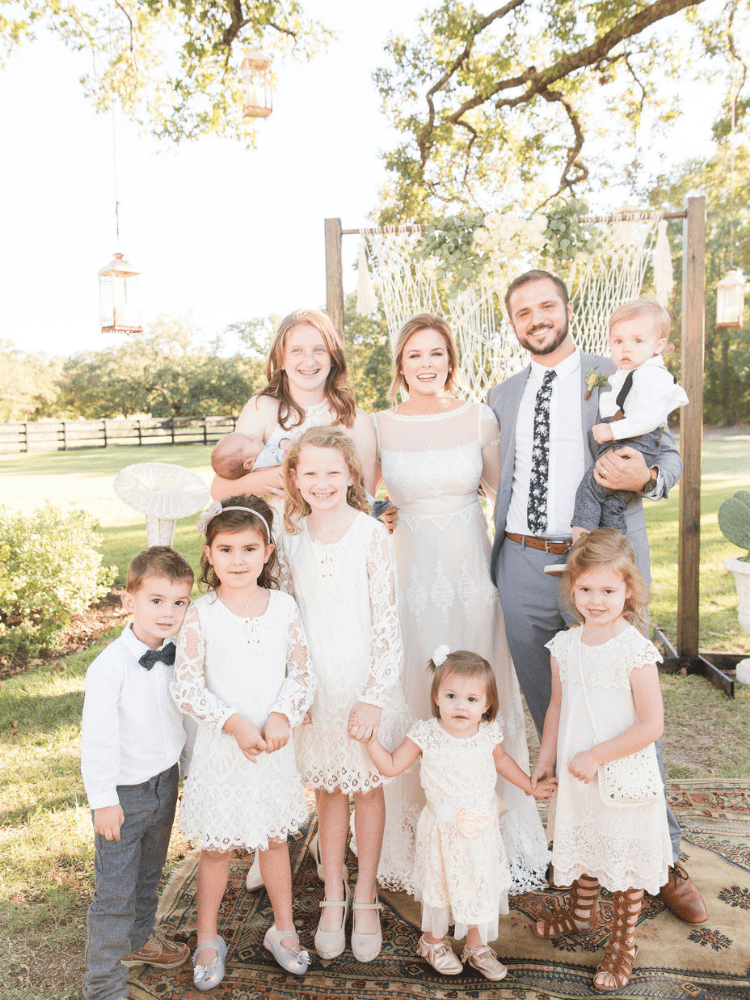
(308, 386)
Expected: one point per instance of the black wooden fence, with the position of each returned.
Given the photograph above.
(66, 435)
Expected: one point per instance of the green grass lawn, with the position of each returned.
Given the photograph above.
(726, 469)
(46, 870)
(103, 461)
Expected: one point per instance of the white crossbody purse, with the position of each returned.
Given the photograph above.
(626, 781)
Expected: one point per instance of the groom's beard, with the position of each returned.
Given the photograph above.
(539, 347)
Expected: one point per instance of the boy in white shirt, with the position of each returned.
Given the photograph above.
(131, 739)
(642, 393)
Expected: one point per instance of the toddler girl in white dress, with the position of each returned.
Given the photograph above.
(244, 674)
(604, 681)
(341, 571)
(461, 867)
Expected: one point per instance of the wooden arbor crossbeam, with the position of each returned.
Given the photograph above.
(686, 655)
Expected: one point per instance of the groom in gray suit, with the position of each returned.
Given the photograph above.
(540, 311)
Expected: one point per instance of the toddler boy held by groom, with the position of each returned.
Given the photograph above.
(131, 740)
(642, 393)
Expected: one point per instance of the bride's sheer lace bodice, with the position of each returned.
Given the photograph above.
(432, 465)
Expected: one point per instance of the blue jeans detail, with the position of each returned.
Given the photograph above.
(122, 912)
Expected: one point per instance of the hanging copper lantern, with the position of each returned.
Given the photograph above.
(730, 299)
(257, 92)
(119, 299)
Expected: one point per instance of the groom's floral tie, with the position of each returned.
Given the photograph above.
(536, 512)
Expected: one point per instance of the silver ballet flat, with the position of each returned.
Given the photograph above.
(290, 959)
(205, 977)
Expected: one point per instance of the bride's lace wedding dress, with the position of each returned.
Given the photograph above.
(432, 467)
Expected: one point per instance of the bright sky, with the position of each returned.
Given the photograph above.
(218, 232)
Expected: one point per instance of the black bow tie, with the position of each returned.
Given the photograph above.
(163, 655)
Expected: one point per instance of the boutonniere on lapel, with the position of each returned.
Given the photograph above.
(593, 381)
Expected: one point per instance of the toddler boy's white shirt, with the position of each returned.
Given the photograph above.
(131, 728)
(652, 397)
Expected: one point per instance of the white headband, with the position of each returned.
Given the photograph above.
(215, 509)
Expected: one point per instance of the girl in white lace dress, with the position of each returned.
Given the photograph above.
(434, 452)
(627, 848)
(243, 672)
(342, 574)
(461, 867)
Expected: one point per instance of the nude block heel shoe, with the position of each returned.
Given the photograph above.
(330, 944)
(366, 947)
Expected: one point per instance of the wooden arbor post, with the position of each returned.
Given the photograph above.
(334, 275)
(691, 423)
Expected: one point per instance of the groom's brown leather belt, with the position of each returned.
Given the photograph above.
(554, 548)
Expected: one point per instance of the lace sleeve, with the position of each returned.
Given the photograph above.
(188, 687)
(559, 647)
(419, 733)
(641, 651)
(298, 689)
(386, 653)
(489, 436)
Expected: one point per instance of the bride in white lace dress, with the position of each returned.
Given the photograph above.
(434, 451)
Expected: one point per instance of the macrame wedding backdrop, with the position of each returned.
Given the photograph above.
(611, 272)
(599, 280)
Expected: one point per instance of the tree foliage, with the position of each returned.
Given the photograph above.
(173, 65)
(501, 107)
(368, 356)
(163, 372)
(725, 180)
(170, 371)
(28, 389)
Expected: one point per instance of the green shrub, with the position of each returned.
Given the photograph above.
(50, 569)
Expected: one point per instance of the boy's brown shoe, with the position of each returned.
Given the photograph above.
(160, 952)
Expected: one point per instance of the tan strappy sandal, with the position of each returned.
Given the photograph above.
(580, 916)
(621, 949)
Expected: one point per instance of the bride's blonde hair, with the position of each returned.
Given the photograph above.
(422, 321)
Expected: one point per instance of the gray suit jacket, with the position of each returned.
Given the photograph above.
(505, 400)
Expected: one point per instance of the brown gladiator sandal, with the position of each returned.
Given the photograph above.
(580, 916)
(621, 949)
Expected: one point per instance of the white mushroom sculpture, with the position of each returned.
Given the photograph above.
(162, 492)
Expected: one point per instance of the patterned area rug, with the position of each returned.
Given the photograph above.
(675, 960)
